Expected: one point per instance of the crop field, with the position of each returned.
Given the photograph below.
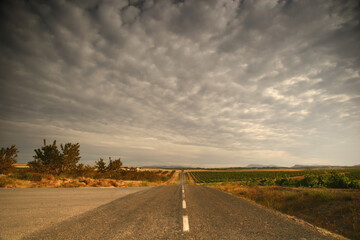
(344, 178)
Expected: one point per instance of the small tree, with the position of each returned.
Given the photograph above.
(83, 171)
(49, 159)
(100, 165)
(70, 156)
(114, 165)
(8, 158)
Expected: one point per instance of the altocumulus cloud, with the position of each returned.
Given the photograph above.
(196, 83)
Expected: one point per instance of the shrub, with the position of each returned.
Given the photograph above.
(267, 182)
(338, 181)
(4, 181)
(309, 181)
(114, 165)
(100, 165)
(25, 175)
(355, 184)
(48, 159)
(7, 159)
(287, 182)
(322, 180)
(83, 171)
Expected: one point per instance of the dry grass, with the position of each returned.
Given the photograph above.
(335, 210)
(189, 179)
(49, 181)
(174, 179)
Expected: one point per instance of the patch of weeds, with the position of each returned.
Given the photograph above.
(130, 184)
(290, 196)
(27, 176)
(36, 177)
(48, 177)
(144, 183)
(355, 214)
(4, 181)
(322, 196)
(347, 197)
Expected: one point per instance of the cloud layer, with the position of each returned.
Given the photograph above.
(201, 83)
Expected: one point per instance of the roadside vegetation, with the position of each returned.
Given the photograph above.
(327, 199)
(60, 167)
(341, 178)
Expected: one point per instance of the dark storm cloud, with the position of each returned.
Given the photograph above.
(241, 81)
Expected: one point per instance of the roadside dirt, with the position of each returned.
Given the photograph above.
(190, 179)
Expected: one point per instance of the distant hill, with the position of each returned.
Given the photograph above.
(297, 166)
(261, 166)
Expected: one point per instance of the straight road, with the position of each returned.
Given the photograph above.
(180, 212)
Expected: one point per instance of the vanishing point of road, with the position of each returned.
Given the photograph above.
(166, 212)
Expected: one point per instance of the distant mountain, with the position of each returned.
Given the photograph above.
(261, 166)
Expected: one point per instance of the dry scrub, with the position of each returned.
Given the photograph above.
(49, 181)
(335, 210)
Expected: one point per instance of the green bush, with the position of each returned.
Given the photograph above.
(355, 184)
(336, 180)
(267, 182)
(310, 181)
(288, 182)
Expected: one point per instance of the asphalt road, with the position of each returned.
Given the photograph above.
(25, 210)
(179, 212)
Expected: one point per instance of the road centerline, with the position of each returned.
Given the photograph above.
(186, 227)
(186, 224)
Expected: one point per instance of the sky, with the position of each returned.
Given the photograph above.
(194, 83)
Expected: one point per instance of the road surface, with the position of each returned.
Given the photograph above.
(25, 210)
(179, 212)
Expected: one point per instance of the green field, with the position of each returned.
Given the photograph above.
(344, 178)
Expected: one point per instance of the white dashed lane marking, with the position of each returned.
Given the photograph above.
(186, 227)
(186, 224)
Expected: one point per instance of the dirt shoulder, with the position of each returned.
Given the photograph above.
(189, 179)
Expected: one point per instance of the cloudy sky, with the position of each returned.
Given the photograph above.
(194, 83)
